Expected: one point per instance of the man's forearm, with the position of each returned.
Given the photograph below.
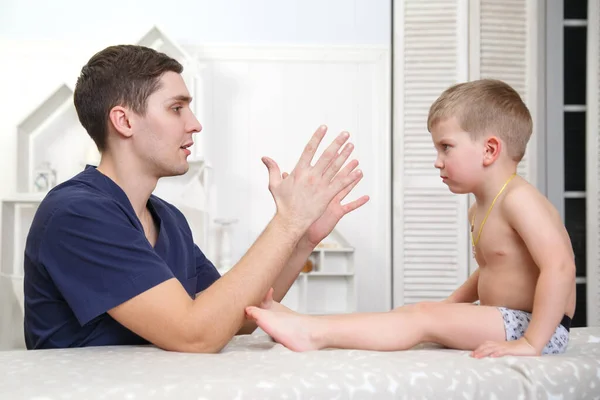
(285, 279)
(290, 273)
(218, 312)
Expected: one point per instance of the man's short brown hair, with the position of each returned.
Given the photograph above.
(486, 106)
(124, 75)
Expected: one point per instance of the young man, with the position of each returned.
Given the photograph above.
(525, 282)
(108, 263)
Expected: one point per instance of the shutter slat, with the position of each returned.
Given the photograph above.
(503, 50)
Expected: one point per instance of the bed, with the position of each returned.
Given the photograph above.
(253, 367)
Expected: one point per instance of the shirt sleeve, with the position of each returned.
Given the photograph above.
(205, 270)
(98, 258)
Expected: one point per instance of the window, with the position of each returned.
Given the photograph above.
(574, 117)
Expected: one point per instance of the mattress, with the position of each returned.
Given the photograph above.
(253, 367)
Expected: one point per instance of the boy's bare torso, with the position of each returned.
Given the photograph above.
(507, 272)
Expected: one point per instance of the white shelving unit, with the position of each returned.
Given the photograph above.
(330, 287)
(17, 215)
(52, 144)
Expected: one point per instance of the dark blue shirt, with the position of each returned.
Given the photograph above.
(86, 253)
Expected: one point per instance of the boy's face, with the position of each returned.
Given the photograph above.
(459, 158)
(164, 134)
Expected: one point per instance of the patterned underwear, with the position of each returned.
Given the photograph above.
(516, 323)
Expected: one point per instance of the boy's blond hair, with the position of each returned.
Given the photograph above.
(486, 106)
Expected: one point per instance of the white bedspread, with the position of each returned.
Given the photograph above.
(253, 367)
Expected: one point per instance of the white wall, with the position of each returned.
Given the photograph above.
(202, 21)
(64, 40)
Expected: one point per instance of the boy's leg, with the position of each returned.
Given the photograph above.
(459, 326)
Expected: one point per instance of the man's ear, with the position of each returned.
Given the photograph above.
(492, 148)
(119, 118)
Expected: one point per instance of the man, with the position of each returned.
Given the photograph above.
(108, 263)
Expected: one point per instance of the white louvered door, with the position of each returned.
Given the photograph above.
(505, 52)
(593, 164)
(503, 46)
(430, 223)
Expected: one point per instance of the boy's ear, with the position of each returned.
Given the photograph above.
(493, 146)
(119, 118)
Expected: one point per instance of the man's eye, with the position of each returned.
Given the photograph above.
(177, 108)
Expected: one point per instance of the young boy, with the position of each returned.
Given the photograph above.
(525, 282)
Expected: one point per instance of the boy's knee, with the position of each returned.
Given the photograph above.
(426, 307)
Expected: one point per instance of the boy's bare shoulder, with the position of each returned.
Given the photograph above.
(524, 197)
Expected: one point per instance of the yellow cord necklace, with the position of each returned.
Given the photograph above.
(473, 241)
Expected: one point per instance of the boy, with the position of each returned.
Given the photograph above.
(525, 282)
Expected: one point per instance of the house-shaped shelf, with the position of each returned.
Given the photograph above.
(51, 142)
(334, 242)
(53, 146)
(330, 285)
(156, 39)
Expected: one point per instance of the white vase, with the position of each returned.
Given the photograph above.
(224, 262)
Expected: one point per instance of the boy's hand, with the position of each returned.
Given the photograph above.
(520, 347)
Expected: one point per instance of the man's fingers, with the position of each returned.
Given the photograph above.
(353, 205)
(311, 148)
(340, 184)
(274, 173)
(344, 173)
(331, 153)
(335, 165)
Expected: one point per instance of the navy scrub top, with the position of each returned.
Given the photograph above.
(86, 253)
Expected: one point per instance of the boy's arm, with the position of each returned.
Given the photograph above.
(467, 292)
(542, 231)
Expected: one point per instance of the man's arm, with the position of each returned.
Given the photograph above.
(547, 240)
(315, 234)
(285, 279)
(167, 317)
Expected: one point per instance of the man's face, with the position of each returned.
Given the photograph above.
(163, 136)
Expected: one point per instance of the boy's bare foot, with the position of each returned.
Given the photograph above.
(269, 304)
(294, 331)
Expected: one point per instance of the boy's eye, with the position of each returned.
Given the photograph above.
(177, 108)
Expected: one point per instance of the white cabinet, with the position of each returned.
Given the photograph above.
(330, 286)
